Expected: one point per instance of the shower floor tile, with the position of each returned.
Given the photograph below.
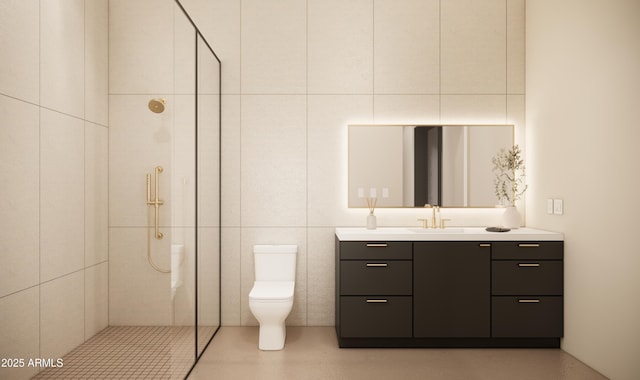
(132, 352)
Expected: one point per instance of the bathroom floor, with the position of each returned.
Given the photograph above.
(131, 352)
(313, 353)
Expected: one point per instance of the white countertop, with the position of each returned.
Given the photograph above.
(448, 234)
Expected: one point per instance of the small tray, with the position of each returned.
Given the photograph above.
(498, 229)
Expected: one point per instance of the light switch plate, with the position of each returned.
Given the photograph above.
(558, 207)
(549, 206)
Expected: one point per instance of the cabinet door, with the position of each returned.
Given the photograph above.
(451, 293)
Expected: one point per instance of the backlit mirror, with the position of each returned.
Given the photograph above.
(414, 165)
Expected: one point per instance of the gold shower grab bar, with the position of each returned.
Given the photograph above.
(157, 202)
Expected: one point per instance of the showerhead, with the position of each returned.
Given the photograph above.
(157, 105)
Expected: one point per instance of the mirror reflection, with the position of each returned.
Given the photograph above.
(414, 165)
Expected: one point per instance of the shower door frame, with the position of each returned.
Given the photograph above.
(198, 36)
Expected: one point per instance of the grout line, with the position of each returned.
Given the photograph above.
(84, 175)
(39, 179)
(506, 60)
(307, 170)
(240, 230)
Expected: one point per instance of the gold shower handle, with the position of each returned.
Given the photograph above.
(157, 202)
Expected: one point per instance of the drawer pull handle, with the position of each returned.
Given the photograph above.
(528, 245)
(377, 245)
(377, 301)
(528, 264)
(529, 301)
(379, 265)
(485, 245)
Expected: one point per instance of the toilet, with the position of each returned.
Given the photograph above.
(271, 297)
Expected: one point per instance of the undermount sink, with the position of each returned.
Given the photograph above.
(446, 230)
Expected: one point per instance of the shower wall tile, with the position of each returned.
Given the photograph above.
(19, 329)
(231, 158)
(138, 295)
(184, 56)
(253, 236)
(321, 277)
(269, 64)
(62, 56)
(328, 117)
(139, 140)
(96, 299)
(208, 276)
(53, 171)
(96, 61)
(407, 43)
(273, 160)
(96, 197)
(61, 315)
(183, 279)
(182, 163)
(231, 276)
(141, 47)
(208, 160)
(407, 109)
(19, 203)
(340, 56)
(20, 40)
(62, 194)
(208, 70)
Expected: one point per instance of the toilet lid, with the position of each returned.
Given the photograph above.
(272, 290)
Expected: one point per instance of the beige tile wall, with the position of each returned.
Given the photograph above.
(296, 72)
(53, 175)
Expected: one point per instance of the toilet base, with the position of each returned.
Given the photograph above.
(272, 337)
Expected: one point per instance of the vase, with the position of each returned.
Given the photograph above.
(371, 222)
(511, 217)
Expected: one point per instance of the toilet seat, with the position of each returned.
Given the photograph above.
(272, 291)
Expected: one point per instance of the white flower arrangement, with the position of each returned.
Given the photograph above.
(509, 169)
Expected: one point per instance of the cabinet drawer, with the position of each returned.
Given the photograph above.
(525, 250)
(359, 250)
(375, 277)
(526, 277)
(375, 317)
(527, 317)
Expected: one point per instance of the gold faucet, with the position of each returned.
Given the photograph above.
(425, 221)
(436, 210)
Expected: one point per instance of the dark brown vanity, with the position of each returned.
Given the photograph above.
(468, 289)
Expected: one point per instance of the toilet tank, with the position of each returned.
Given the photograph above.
(275, 262)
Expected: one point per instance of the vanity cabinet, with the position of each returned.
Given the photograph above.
(527, 290)
(375, 290)
(479, 293)
(452, 288)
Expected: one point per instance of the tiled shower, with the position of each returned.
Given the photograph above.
(77, 140)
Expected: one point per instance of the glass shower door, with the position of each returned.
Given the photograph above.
(208, 193)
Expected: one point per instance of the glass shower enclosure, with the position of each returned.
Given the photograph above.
(196, 186)
(170, 282)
